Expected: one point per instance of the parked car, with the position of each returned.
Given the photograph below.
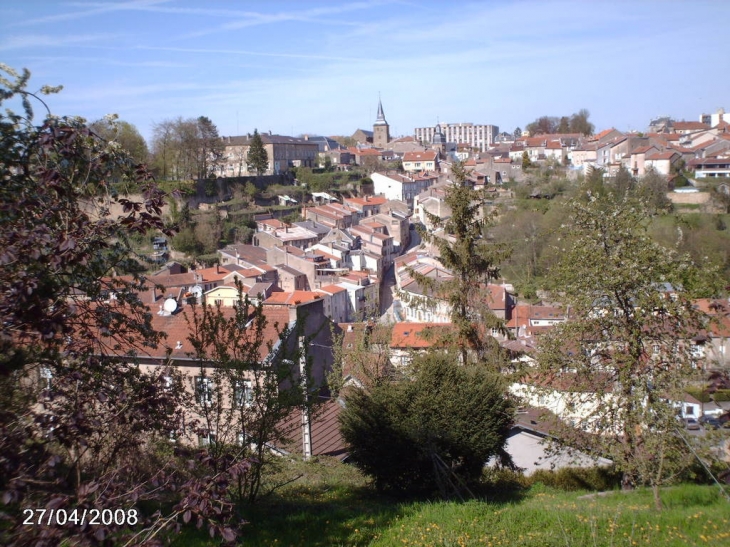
(691, 423)
(710, 422)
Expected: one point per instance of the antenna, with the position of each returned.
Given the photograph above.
(170, 305)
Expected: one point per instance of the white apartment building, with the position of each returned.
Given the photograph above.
(475, 135)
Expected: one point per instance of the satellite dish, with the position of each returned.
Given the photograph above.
(170, 305)
(197, 291)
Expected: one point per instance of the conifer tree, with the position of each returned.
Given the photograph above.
(474, 262)
(257, 159)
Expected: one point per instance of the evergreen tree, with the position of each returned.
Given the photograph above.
(526, 163)
(473, 262)
(257, 159)
(432, 432)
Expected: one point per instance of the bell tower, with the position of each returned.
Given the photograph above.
(381, 129)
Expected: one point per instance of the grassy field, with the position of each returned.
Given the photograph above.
(332, 505)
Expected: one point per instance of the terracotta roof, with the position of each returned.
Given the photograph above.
(428, 155)
(367, 200)
(293, 298)
(177, 327)
(662, 156)
(688, 126)
(414, 335)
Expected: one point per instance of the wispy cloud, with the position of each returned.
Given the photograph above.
(26, 41)
(95, 9)
(96, 61)
(255, 53)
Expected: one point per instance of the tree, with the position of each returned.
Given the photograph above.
(79, 420)
(627, 354)
(210, 148)
(257, 159)
(517, 133)
(543, 125)
(253, 375)
(431, 433)
(564, 125)
(576, 123)
(124, 133)
(186, 149)
(473, 262)
(526, 163)
(579, 123)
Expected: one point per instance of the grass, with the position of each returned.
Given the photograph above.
(332, 505)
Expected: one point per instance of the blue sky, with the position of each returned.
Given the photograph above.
(318, 67)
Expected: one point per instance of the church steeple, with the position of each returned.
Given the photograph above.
(381, 129)
(380, 120)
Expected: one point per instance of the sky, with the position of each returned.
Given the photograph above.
(319, 67)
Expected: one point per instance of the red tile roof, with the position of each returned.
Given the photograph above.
(415, 335)
(428, 155)
(293, 298)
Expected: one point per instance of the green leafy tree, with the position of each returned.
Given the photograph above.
(125, 134)
(627, 353)
(257, 159)
(431, 433)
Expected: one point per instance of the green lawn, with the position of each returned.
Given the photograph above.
(332, 505)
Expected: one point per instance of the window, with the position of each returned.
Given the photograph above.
(203, 390)
(689, 410)
(243, 393)
(206, 440)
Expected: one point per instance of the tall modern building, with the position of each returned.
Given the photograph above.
(477, 136)
(381, 129)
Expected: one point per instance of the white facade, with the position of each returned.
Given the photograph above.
(475, 135)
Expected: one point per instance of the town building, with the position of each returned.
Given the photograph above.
(475, 135)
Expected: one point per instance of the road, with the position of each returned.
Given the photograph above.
(388, 303)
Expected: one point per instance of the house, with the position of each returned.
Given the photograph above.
(395, 186)
(375, 239)
(333, 215)
(528, 443)
(363, 292)
(710, 167)
(407, 338)
(662, 162)
(292, 235)
(335, 302)
(286, 331)
(366, 205)
(395, 225)
(415, 162)
(283, 152)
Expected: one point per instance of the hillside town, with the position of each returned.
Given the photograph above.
(356, 259)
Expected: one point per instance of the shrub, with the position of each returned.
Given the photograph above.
(429, 433)
(578, 478)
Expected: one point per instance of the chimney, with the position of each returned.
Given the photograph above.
(217, 268)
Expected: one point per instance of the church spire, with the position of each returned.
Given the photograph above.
(380, 120)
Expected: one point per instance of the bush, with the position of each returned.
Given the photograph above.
(721, 395)
(429, 433)
(578, 478)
